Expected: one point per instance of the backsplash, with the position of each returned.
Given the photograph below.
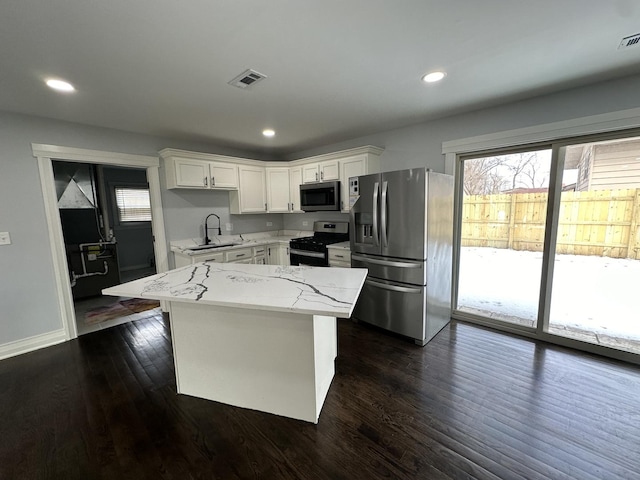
(296, 221)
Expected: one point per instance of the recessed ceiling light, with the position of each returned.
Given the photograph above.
(60, 85)
(268, 132)
(433, 77)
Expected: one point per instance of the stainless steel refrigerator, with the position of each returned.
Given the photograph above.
(402, 231)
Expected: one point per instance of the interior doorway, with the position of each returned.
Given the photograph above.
(46, 155)
(105, 214)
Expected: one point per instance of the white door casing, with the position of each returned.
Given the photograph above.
(44, 155)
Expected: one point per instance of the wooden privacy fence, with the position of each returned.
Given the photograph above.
(600, 222)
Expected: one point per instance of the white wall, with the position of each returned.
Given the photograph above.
(27, 298)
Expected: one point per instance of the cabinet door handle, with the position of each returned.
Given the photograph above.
(341, 204)
(321, 175)
(205, 182)
(316, 176)
(339, 256)
(213, 181)
(238, 255)
(265, 207)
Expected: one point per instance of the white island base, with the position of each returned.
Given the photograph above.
(255, 336)
(275, 362)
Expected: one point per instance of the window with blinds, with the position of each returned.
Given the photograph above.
(133, 204)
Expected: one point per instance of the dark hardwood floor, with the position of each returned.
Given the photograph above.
(472, 404)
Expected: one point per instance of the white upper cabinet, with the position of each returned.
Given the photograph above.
(283, 189)
(278, 190)
(184, 172)
(321, 172)
(259, 187)
(354, 167)
(223, 175)
(295, 180)
(251, 196)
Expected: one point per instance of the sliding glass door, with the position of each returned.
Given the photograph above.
(549, 244)
(596, 269)
(504, 205)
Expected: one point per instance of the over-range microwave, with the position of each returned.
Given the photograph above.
(318, 197)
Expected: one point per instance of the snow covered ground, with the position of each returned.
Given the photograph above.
(596, 296)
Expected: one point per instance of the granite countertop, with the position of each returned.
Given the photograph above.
(340, 246)
(307, 290)
(238, 241)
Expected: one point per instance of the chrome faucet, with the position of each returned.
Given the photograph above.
(206, 228)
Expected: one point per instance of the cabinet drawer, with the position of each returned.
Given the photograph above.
(207, 257)
(340, 255)
(259, 251)
(239, 254)
(333, 263)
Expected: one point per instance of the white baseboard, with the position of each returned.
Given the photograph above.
(30, 344)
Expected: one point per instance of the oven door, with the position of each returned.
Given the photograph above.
(304, 257)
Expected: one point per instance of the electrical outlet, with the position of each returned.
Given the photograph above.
(5, 238)
(229, 226)
(305, 223)
(269, 224)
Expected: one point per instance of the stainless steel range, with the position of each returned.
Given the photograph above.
(313, 250)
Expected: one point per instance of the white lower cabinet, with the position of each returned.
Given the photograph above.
(273, 254)
(283, 254)
(278, 254)
(339, 257)
(260, 255)
(239, 255)
(182, 260)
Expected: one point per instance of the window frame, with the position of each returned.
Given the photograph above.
(117, 220)
(556, 136)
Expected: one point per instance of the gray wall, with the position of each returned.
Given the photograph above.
(28, 300)
(421, 144)
(185, 211)
(27, 297)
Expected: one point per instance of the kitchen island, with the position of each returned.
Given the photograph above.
(254, 336)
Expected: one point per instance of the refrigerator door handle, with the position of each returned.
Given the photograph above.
(386, 263)
(393, 288)
(376, 237)
(383, 214)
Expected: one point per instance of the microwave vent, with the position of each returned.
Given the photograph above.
(247, 78)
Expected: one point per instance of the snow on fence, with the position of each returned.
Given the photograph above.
(599, 222)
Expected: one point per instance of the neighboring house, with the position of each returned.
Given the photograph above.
(606, 166)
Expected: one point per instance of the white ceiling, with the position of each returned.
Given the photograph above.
(336, 69)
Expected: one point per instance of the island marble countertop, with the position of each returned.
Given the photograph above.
(307, 290)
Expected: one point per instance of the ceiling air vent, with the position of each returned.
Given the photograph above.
(629, 41)
(247, 78)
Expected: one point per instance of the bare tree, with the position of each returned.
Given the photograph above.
(481, 176)
(488, 175)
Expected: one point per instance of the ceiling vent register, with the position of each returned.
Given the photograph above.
(247, 78)
(631, 41)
